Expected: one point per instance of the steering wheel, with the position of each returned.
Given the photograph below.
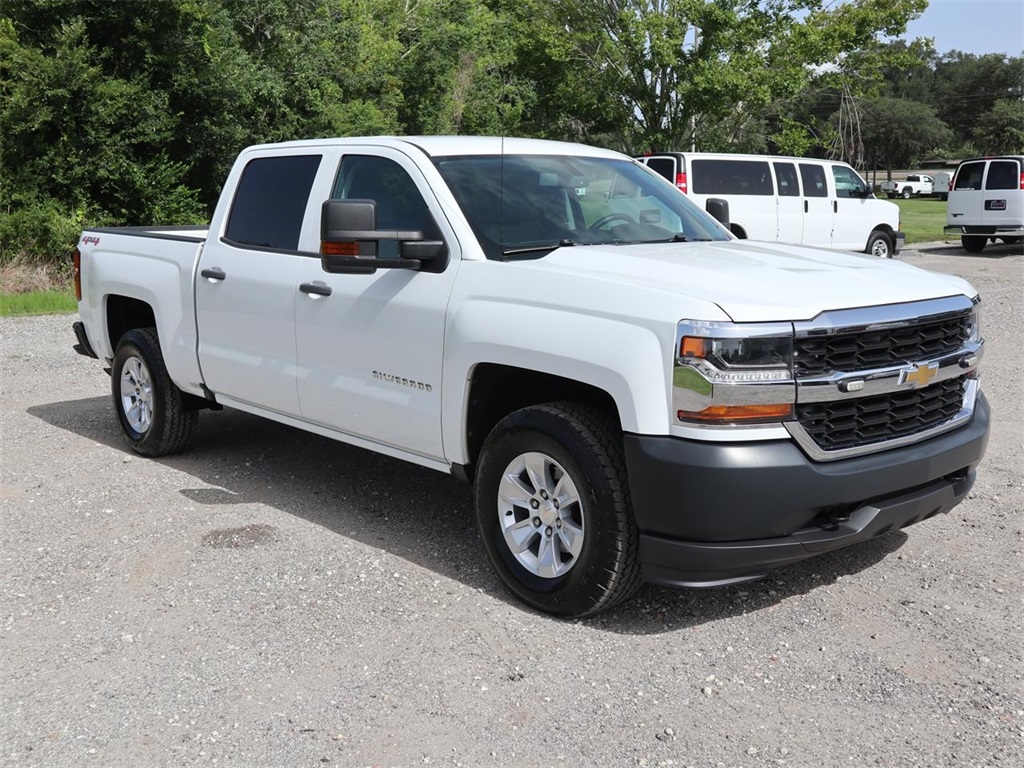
(610, 218)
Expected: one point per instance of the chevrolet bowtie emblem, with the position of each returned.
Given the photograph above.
(918, 376)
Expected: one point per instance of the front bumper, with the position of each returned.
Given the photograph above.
(714, 513)
(899, 239)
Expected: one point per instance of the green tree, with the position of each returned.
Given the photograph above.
(682, 71)
(899, 132)
(1000, 131)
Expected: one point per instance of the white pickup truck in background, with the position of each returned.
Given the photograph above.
(635, 394)
(916, 184)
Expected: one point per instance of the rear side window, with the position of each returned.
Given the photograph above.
(271, 200)
(1003, 174)
(664, 166)
(969, 175)
(785, 174)
(731, 177)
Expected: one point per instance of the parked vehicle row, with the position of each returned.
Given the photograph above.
(813, 202)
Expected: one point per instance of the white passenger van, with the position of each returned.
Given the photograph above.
(986, 202)
(787, 199)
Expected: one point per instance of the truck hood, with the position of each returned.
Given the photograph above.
(753, 281)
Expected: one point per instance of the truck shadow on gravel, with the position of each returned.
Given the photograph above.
(415, 513)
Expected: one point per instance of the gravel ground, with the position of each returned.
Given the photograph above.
(275, 599)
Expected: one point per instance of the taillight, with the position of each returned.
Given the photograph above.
(1022, 181)
(76, 263)
(681, 181)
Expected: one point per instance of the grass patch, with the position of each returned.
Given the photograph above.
(922, 218)
(49, 302)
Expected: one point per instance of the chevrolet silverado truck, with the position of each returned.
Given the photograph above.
(914, 184)
(635, 394)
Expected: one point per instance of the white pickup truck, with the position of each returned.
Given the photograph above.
(635, 394)
(914, 184)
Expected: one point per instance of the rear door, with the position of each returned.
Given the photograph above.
(747, 185)
(967, 196)
(790, 203)
(669, 166)
(245, 289)
(1003, 198)
(818, 213)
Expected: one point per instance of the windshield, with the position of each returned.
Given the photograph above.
(523, 206)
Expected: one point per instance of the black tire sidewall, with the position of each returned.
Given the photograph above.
(537, 430)
(875, 237)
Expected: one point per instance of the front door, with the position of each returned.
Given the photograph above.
(370, 351)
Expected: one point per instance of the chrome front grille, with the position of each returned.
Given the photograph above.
(864, 421)
(876, 378)
(822, 352)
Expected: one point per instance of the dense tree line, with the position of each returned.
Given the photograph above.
(131, 112)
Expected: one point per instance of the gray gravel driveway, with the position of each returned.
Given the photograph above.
(272, 598)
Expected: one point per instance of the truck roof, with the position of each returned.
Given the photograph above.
(442, 146)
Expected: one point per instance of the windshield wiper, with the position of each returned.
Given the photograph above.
(537, 248)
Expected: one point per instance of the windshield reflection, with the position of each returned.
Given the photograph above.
(524, 206)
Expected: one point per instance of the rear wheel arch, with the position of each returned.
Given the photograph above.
(123, 314)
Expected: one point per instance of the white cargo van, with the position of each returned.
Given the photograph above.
(986, 202)
(787, 199)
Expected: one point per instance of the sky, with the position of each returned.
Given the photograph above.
(972, 26)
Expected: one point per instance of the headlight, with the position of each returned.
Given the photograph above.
(974, 323)
(727, 373)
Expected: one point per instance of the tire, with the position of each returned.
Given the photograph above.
(907, 192)
(944, 196)
(891, 195)
(973, 243)
(880, 244)
(572, 553)
(150, 410)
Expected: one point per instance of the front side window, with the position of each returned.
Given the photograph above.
(399, 204)
(530, 204)
(270, 201)
(813, 177)
(731, 177)
(848, 183)
(1003, 174)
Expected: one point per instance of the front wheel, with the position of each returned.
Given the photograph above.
(553, 509)
(973, 243)
(880, 245)
(150, 409)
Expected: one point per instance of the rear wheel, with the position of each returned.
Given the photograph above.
(150, 409)
(553, 509)
(973, 243)
(907, 192)
(880, 245)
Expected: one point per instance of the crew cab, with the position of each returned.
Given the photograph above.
(635, 394)
(914, 184)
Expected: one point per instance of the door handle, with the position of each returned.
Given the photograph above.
(835, 206)
(213, 273)
(315, 289)
(805, 206)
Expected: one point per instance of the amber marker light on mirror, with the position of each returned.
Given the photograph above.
(339, 249)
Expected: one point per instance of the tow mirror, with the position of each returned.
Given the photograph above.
(349, 238)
